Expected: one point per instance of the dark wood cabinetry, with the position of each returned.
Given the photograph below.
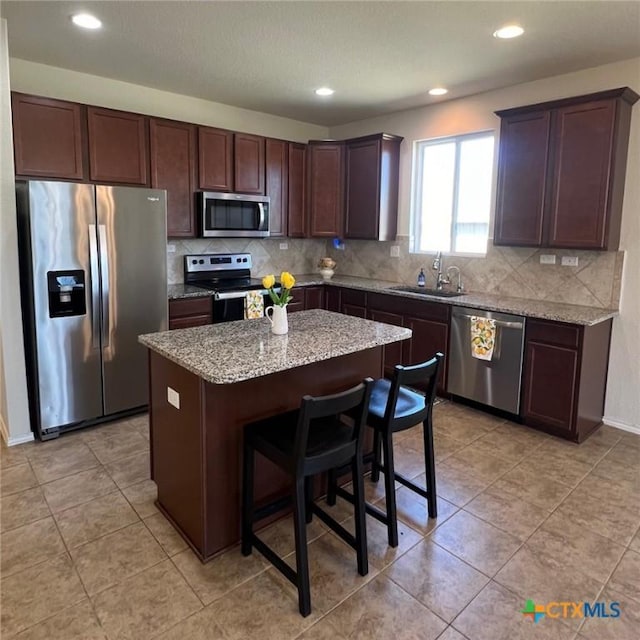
(314, 297)
(353, 303)
(565, 375)
(215, 159)
(172, 157)
(562, 171)
(190, 312)
(48, 137)
(118, 147)
(277, 185)
(372, 166)
(297, 190)
(248, 162)
(326, 189)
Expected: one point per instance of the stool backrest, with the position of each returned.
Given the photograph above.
(354, 402)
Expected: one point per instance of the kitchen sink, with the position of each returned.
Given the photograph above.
(440, 293)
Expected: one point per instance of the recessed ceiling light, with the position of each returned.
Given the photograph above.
(510, 31)
(438, 91)
(324, 91)
(86, 21)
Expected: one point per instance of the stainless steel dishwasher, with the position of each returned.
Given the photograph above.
(494, 382)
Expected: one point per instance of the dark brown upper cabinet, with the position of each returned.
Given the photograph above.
(297, 190)
(562, 170)
(173, 158)
(372, 167)
(249, 168)
(277, 180)
(215, 155)
(48, 137)
(118, 148)
(326, 188)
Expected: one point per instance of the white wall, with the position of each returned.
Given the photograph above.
(14, 411)
(475, 113)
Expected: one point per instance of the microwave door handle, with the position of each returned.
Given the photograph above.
(104, 274)
(95, 287)
(263, 216)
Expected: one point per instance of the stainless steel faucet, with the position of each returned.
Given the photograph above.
(440, 280)
(459, 288)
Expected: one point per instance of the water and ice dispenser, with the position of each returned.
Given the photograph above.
(66, 293)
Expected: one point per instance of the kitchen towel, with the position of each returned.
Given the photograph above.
(483, 337)
(253, 305)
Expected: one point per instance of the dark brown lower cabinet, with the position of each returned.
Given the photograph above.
(314, 297)
(296, 304)
(190, 312)
(353, 303)
(565, 377)
(332, 296)
(392, 352)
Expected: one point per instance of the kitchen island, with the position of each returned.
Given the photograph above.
(207, 382)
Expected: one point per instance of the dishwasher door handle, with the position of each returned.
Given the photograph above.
(499, 323)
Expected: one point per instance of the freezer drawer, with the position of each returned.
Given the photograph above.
(494, 382)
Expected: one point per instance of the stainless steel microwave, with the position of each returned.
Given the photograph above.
(233, 215)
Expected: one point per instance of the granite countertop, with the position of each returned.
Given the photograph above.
(236, 351)
(571, 313)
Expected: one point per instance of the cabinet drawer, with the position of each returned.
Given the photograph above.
(189, 307)
(565, 335)
(436, 311)
(353, 297)
(189, 321)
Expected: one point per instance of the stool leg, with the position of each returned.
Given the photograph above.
(247, 497)
(332, 483)
(302, 559)
(390, 490)
(375, 465)
(361, 525)
(430, 468)
(308, 498)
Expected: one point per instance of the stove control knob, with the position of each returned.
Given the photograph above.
(194, 262)
(201, 261)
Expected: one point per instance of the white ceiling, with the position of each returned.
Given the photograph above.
(378, 56)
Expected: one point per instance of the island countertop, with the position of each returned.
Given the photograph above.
(235, 351)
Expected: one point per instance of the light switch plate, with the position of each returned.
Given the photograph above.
(395, 251)
(173, 397)
(284, 246)
(569, 261)
(546, 258)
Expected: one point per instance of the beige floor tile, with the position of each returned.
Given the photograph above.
(147, 604)
(507, 512)
(461, 428)
(626, 577)
(381, 609)
(163, 531)
(445, 446)
(574, 548)
(607, 435)
(22, 508)
(11, 456)
(29, 545)
(94, 519)
(261, 609)
(623, 454)
(412, 509)
(476, 542)
(560, 468)
(217, 577)
(635, 542)
(495, 614)
(130, 470)
(116, 556)
(437, 578)
(480, 419)
(457, 485)
(16, 478)
(508, 446)
(77, 489)
(61, 461)
(407, 461)
(142, 497)
(612, 469)
(451, 634)
(590, 451)
(533, 488)
(24, 604)
(625, 627)
(323, 630)
(279, 535)
(483, 466)
(199, 626)
(109, 447)
(78, 622)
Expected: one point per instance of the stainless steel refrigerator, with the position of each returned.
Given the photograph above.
(93, 273)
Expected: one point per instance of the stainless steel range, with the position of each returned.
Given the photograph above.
(228, 277)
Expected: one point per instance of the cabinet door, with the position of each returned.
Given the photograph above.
(314, 298)
(173, 155)
(277, 180)
(393, 353)
(550, 383)
(248, 163)
(297, 304)
(363, 189)
(118, 150)
(47, 137)
(297, 190)
(332, 299)
(583, 150)
(215, 156)
(522, 179)
(326, 190)
(428, 337)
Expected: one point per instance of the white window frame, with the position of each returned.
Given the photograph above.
(416, 190)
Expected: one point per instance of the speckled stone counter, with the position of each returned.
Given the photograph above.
(236, 351)
(180, 291)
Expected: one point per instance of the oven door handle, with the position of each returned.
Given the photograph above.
(234, 295)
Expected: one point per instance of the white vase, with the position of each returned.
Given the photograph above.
(326, 273)
(277, 316)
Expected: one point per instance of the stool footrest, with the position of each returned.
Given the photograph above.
(274, 559)
(407, 483)
(271, 508)
(334, 526)
(374, 512)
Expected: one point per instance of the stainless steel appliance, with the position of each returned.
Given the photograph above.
(233, 215)
(93, 272)
(228, 277)
(494, 382)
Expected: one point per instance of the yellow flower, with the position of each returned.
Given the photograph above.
(268, 281)
(287, 280)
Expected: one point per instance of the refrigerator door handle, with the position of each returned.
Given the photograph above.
(104, 275)
(95, 288)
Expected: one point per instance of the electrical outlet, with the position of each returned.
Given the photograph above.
(569, 261)
(547, 259)
(284, 246)
(395, 251)
(173, 397)
(171, 248)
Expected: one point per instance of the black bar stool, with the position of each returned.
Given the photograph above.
(394, 407)
(305, 442)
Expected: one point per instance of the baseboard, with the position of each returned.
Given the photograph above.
(4, 433)
(622, 425)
